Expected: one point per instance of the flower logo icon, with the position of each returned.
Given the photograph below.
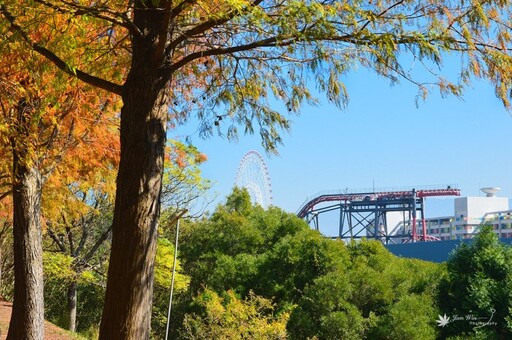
(443, 320)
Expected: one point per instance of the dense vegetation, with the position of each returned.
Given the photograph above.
(477, 294)
(152, 65)
(273, 269)
(246, 272)
(323, 288)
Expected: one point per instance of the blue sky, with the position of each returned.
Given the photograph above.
(381, 139)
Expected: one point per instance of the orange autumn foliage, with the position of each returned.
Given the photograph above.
(72, 130)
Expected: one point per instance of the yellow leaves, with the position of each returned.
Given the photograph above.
(183, 156)
(499, 70)
(229, 317)
(88, 277)
(493, 14)
(479, 15)
(164, 266)
(58, 265)
(474, 66)
(504, 39)
(446, 87)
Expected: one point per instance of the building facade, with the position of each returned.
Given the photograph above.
(469, 214)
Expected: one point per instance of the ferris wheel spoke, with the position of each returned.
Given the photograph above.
(253, 175)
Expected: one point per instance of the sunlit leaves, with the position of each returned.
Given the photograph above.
(353, 291)
(70, 131)
(229, 317)
(237, 59)
(164, 267)
(183, 185)
(295, 41)
(479, 281)
(58, 266)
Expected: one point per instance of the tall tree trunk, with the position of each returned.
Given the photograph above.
(1, 262)
(129, 293)
(71, 307)
(27, 320)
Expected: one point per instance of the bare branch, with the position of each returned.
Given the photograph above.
(5, 194)
(56, 239)
(97, 244)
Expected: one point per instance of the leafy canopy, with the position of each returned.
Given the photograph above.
(479, 284)
(330, 289)
(234, 59)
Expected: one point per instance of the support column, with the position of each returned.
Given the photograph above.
(342, 210)
(423, 221)
(414, 236)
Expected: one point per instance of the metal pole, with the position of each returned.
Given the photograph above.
(423, 220)
(414, 215)
(173, 272)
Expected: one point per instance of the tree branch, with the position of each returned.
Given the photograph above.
(77, 10)
(83, 237)
(204, 27)
(69, 234)
(55, 238)
(97, 244)
(61, 64)
(5, 194)
(179, 8)
(270, 42)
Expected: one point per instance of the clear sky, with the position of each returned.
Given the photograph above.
(382, 139)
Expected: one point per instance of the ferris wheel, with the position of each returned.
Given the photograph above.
(253, 175)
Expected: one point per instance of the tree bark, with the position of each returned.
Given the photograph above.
(71, 307)
(128, 299)
(129, 293)
(27, 319)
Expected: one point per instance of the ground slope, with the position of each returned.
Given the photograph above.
(52, 332)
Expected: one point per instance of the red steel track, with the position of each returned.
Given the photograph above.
(375, 196)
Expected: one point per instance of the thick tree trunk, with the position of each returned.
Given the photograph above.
(1, 262)
(129, 294)
(27, 320)
(128, 300)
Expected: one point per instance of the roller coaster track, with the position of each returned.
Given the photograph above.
(375, 196)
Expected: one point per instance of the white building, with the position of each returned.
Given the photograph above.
(469, 214)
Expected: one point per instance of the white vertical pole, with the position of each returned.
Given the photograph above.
(173, 273)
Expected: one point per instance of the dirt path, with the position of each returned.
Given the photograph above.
(52, 332)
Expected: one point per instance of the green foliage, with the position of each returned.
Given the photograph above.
(163, 274)
(6, 261)
(183, 184)
(164, 264)
(296, 260)
(244, 247)
(325, 310)
(58, 266)
(411, 317)
(89, 302)
(275, 51)
(234, 59)
(479, 285)
(239, 201)
(333, 290)
(369, 298)
(76, 243)
(228, 317)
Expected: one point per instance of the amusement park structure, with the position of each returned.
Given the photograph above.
(253, 175)
(375, 213)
